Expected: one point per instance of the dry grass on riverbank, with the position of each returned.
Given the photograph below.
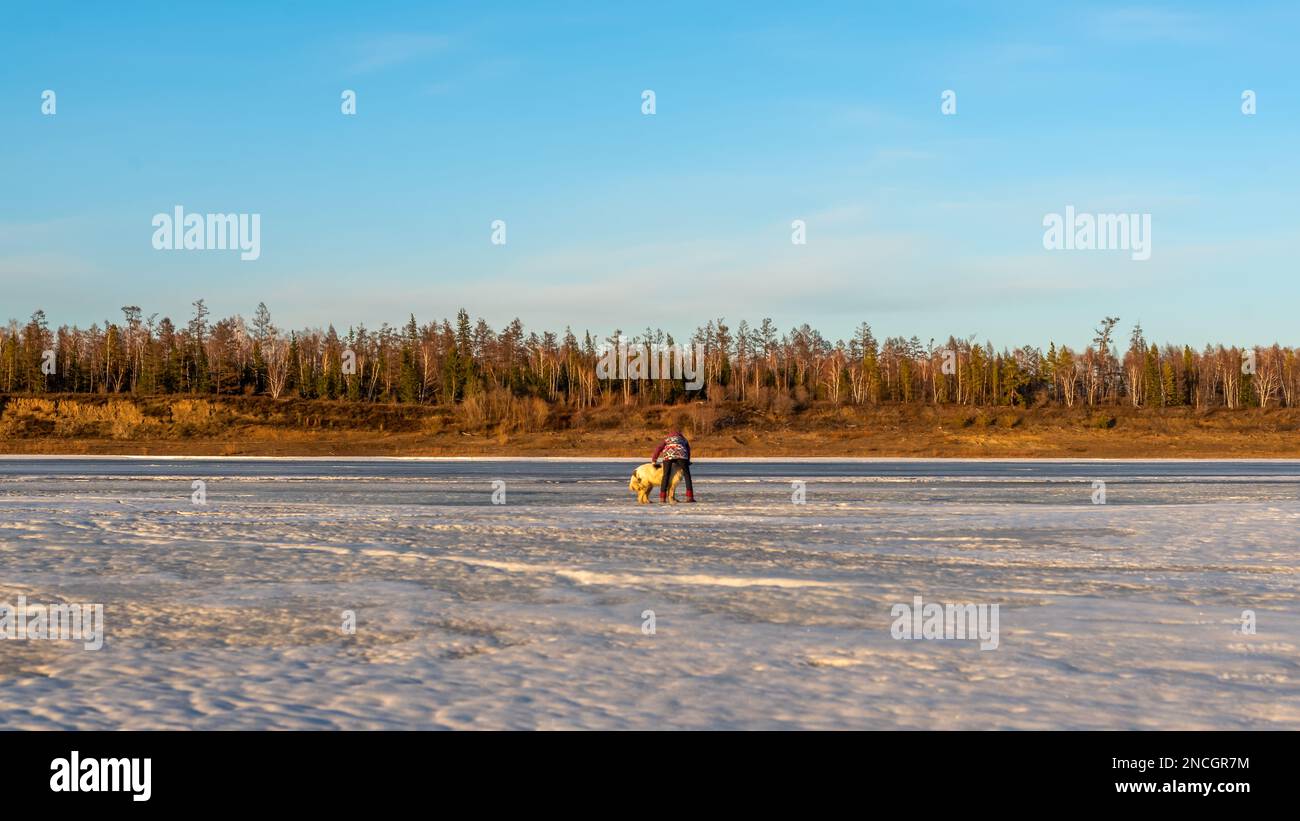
(257, 426)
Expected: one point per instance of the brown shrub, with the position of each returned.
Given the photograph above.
(191, 416)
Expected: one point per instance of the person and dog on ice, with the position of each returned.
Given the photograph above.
(674, 452)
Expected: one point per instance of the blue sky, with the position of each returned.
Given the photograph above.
(918, 223)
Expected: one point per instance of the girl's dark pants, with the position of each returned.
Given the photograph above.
(672, 465)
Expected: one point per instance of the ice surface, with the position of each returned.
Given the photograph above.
(768, 614)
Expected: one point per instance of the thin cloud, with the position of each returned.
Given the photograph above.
(1149, 23)
(386, 51)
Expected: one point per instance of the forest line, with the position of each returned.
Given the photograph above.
(447, 362)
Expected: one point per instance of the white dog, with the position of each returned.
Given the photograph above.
(648, 477)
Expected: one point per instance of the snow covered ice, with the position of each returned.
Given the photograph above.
(767, 614)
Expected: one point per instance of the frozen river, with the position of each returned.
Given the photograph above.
(772, 603)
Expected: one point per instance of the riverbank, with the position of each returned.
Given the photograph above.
(257, 426)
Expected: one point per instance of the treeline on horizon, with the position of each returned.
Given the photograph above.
(451, 362)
